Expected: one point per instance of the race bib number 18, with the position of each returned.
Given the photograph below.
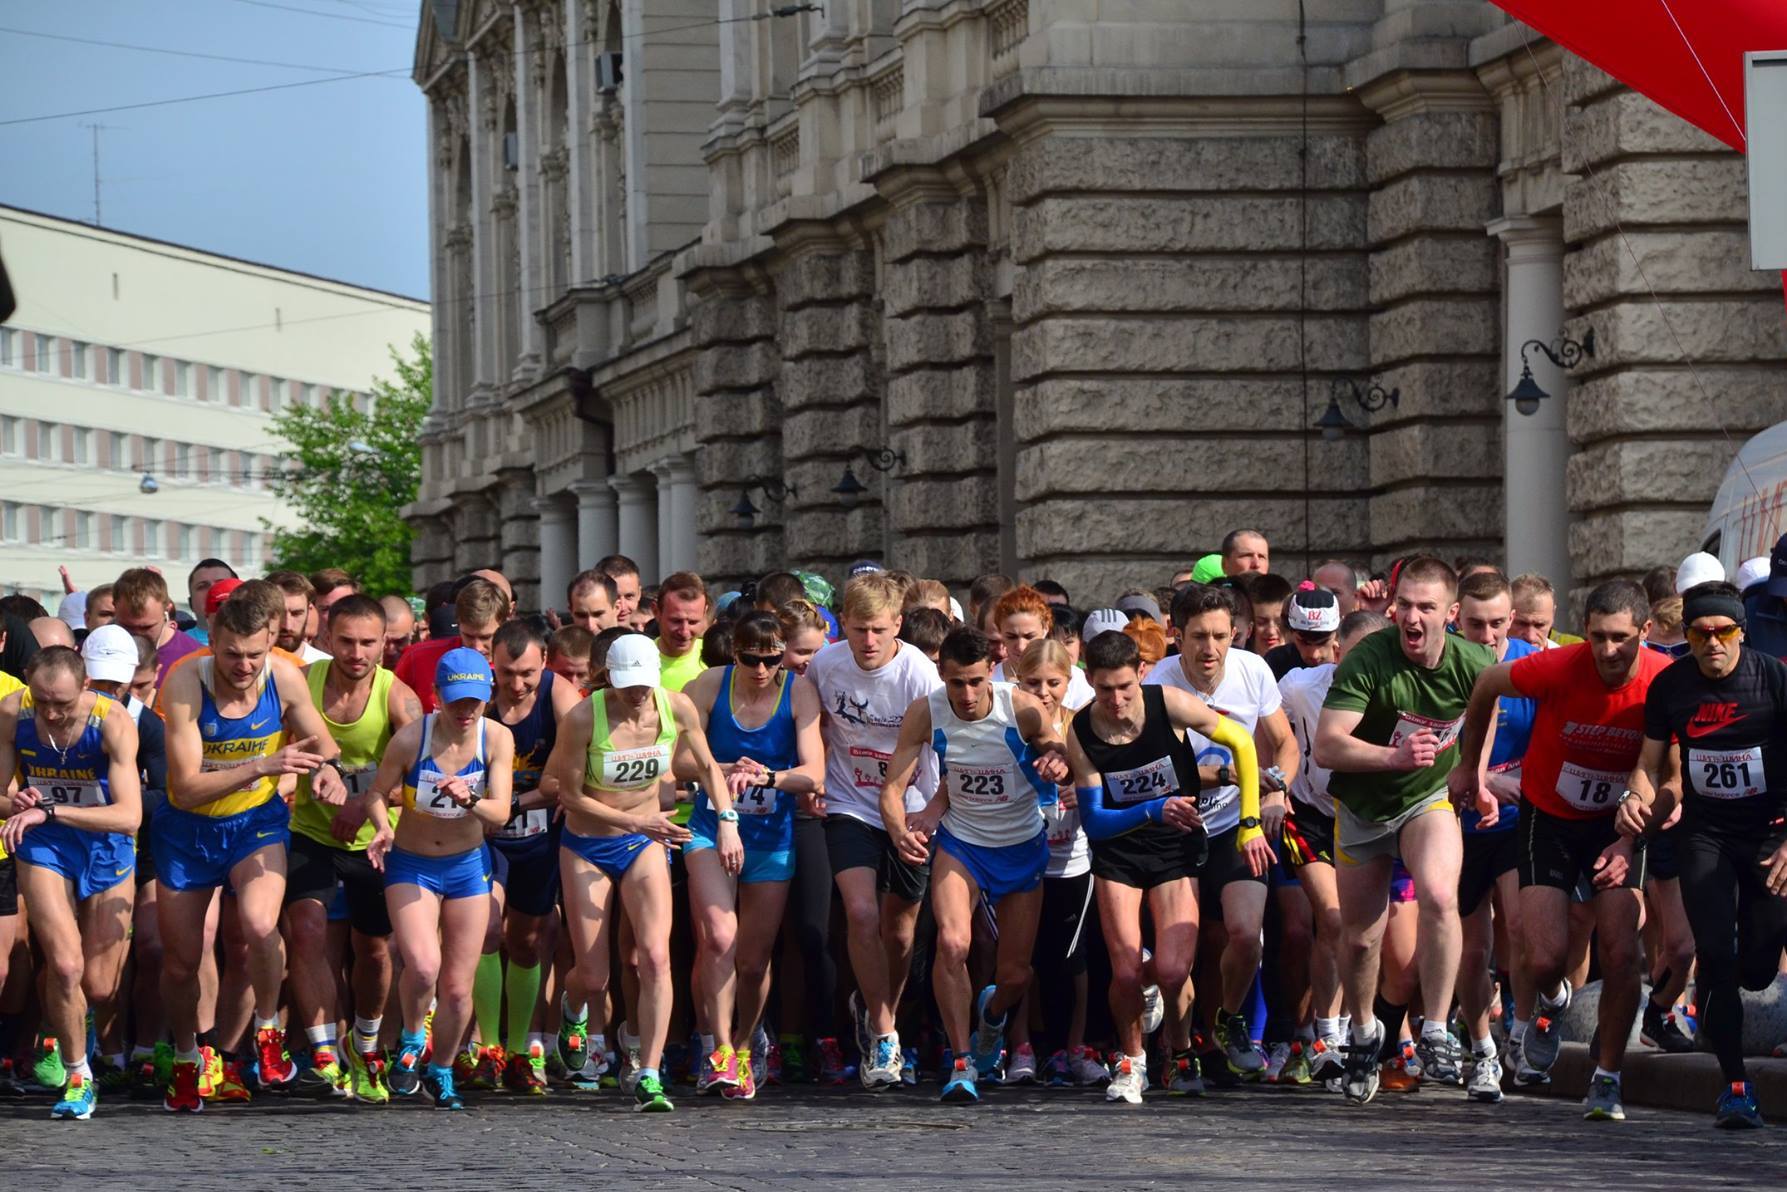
(1589, 790)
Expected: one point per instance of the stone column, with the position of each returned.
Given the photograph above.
(1536, 447)
(684, 491)
(666, 518)
(558, 549)
(638, 523)
(597, 534)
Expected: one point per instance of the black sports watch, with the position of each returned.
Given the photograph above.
(1223, 777)
(1250, 821)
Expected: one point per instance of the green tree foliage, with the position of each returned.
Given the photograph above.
(347, 497)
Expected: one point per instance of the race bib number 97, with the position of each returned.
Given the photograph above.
(72, 792)
(1727, 773)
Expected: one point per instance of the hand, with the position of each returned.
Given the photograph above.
(1776, 869)
(813, 803)
(1272, 780)
(1613, 865)
(327, 787)
(730, 848)
(913, 846)
(1258, 854)
(1051, 766)
(25, 799)
(1417, 751)
(659, 826)
(1632, 817)
(743, 774)
(299, 757)
(1373, 595)
(67, 584)
(1488, 808)
(456, 789)
(347, 822)
(1068, 797)
(18, 824)
(1272, 814)
(380, 845)
(1181, 812)
(552, 620)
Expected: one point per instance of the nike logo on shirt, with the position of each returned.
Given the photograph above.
(255, 726)
(1710, 718)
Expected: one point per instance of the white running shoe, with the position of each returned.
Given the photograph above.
(1128, 1080)
(1486, 1080)
(1020, 1066)
(1154, 1007)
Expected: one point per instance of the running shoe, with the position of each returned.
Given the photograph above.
(210, 1072)
(629, 1045)
(573, 1042)
(588, 1079)
(79, 1099)
(1086, 1068)
(831, 1063)
(9, 1079)
(763, 1053)
(48, 1071)
(746, 1088)
(1661, 1030)
(1238, 1050)
(1327, 1058)
(406, 1074)
(1154, 1007)
(1602, 1103)
(720, 1071)
(1442, 1059)
(884, 1071)
(1737, 1108)
(1129, 1077)
(1524, 1073)
(366, 1079)
(488, 1072)
(438, 1085)
(526, 1073)
(1020, 1066)
(988, 1042)
(1276, 1058)
(1546, 1034)
(110, 1077)
(321, 1077)
(1296, 1069)
(791, 1051)
(183, 1089)
(681, 1064)
(909, 1067)
(1056, 1073)
(555, 1066)
(1360, 1080)
(276, 1068)
(648, 1096)
(1486, 1080)
(1186, 1078)
(859, 1018)
(959, 1088)
(1402, 1071)
(465, 1064)
(231, 1088)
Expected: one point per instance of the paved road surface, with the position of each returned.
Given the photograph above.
(850, 1139)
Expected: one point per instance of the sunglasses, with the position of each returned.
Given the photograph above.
(1725, 633)
(753, 661)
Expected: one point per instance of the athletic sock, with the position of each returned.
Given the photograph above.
(648, 1074)
(137, 1053)
(1556, 1001)
(321, 1036)
(1483, 1048)
(487, 999)
(1362, 1033)
(1433, 1029)
(1392, 1016)
(578, 1013)
(366, 1031)
(265, 1024)
(416, 1039)
(187, 1057)
(522, 986)
(1518, 1031)
(1327, 1028)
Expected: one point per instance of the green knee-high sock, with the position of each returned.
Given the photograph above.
(523, 988)
(487, 998)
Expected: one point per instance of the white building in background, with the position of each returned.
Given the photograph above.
(131, 358)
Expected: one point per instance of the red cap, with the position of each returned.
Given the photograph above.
(219, 592)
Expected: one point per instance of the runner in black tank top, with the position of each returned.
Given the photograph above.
(1154, 767)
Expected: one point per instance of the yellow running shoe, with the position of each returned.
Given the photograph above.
(367, 1077)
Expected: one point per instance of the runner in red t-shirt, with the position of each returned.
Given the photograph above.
(1585, 742)
(481, 608)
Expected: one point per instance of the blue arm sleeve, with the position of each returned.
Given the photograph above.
(1103, 822)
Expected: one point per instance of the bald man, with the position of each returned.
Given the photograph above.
(400, 627)
(52, 631)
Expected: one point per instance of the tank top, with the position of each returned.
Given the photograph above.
(362, 746)
(1157, 764)
(72, 777)
(535, 734)
(995, 796)
(231, 741)
(611, 769)
(419, 784)
(763, 811)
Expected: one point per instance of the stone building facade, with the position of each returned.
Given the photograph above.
(1064, 286)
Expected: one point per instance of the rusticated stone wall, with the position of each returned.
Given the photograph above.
(738, 421)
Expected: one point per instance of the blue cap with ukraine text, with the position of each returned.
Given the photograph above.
(463, 674)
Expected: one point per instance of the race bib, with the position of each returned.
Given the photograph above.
(358, 779)
(1727, 773)
(869, 767)
(1155, 780)
(523, 825)
(430, 800)
(72, 792)
(1408, 724)
(978, 786)
(1589, 790)
(756, 800)
(633, 769)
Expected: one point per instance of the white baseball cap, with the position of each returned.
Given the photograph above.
(1103, 620)
(1753, 572)
(633, 662)
(1698, 568)
(110, 654)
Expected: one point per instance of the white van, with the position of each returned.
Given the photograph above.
(1750, 512)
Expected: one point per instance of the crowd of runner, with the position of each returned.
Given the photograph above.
(1358, 832)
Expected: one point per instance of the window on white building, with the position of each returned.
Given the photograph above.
(45, 346)
(250, 393)
(9, 521)
(120, 534)
(215, 383)
(120, 449)
(182, 545)
(182, 379)
(151, 373)
(83, 531)
(7, 348)
(114, 366)
(151, 538)
(81, 446)
(77, 359)
(9, 435)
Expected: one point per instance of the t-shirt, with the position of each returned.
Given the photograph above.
(1283, 659)
(1513, 731)
(310, 653)
(1586, 736)
(678, 671)
(1733, 743)
(863, 711)
(1397, 698)
(171, 651)
(416, 665)
(1302, 692)
(1246, 694)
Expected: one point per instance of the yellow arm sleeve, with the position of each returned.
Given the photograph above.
(1239, 742)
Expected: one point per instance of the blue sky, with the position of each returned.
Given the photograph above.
(328, 178)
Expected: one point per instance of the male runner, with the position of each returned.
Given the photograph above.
(481, 607)
(1725, 707)
(69, 828)
(293, 634)
(229, 717)
(1002, 761)
(1245, 550)
(363, 705)
(400, 627)
(198, 582)
(681, 611)
(1585, 741)
(1389, 734)
(140, 598)
(625, 574)
(1136, 780)
(593, 600)
(866, 683)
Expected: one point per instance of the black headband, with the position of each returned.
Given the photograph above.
(1712, 604)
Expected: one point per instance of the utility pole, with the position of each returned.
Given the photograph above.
(97, 222)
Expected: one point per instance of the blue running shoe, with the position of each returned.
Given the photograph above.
(438, 1084)
(1737, 1109)
(405, 1076)
(988, 1043)
(959, 1088)
(78, 1099)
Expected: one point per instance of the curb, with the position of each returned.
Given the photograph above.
(1657, 1080)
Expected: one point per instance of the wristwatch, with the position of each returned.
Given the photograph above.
(49, 812)
(728, 816)
(1223, 778)
(334, 763)
(769, 779)
(1250, 821)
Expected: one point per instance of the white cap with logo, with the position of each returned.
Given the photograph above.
(633, 662)
(110, 654)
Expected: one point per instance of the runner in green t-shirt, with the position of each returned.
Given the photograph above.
(1389, 732)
